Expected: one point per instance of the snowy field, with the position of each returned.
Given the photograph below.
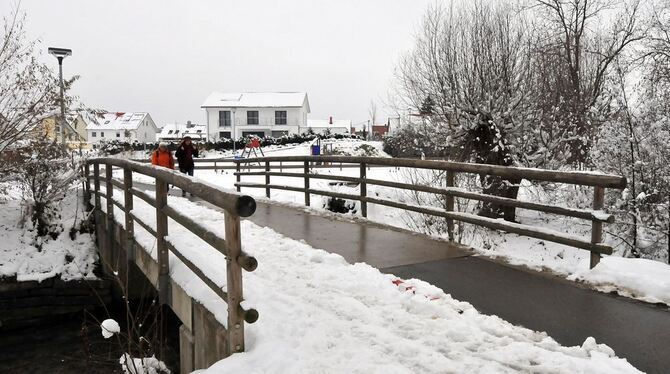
(19, 255)
(319, 314)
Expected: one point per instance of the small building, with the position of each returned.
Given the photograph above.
(174, 132)
(380, 131)
(75, 129)
(124, 127)
(264, 114)
(328, 126)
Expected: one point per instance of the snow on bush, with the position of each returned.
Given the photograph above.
(109, 327)
(146, 365)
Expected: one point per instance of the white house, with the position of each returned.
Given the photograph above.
(322, 126)
(124, 127)
(176, 131)
(255, 113)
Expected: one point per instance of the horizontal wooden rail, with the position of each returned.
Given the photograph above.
(571, 177)
(144, 225)
(498, 224)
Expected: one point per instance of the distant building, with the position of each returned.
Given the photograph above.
(322, 126)
(380, 131)
(255, 113)
(75, 129)
(173, 132)
(124, 127)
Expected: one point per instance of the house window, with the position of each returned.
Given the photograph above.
(170, 132)
(224, 118)
(118, 134)
(199, 131)
(94, 134)
(102, 134)
(280, 117)
(224, 134)
(176, 132)
(252, 117)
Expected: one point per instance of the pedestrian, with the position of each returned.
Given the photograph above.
(162, 156)
(185, 153)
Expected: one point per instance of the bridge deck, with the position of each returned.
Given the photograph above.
(637, 331)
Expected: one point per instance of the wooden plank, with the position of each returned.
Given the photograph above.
(267, 179)
(202, 232)
(273, 186)
(161, 243)
(143, 195)
(234, 277)
(302, 175)
(198, 273)
(237, 176)
(597, 227)
(306, 177)
(96, 186)
(238, 204)
(338, 195)
(456, 192)
(144, 225)
(450, 205)
(508, 172)
(495, 224)
(363, 190)
(128, 200)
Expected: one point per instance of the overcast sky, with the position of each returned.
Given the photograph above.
(165, 57)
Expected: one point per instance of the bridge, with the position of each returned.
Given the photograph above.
(538, 301)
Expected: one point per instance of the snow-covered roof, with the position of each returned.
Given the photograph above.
(256, 100)
(323, 123)
(117, 121)
(179, 130)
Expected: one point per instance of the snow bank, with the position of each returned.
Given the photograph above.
(71, 259)
(642, 279)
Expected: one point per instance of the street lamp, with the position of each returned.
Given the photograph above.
(60, 54)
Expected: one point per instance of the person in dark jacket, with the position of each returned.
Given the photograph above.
(185, 153)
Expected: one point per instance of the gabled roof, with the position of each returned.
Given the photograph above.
(117, 121)
(179, 130)
(256, 100)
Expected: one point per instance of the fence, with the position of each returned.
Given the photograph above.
(234, 206)
(598, 181)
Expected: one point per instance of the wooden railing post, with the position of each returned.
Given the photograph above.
(267, 179)
(214, 167)
(87, 186)
(450, 205)
(597, 226)
(238, 176)
(234, 277)
(306, 171)
(364, 191)
(161, 246)
(96, 185)
(110, 194)
(128, 208)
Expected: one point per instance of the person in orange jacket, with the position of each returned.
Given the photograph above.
(162, 156)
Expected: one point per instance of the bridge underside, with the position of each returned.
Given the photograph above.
(202, 339)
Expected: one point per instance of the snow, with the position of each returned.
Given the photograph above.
(643, 279)
(146, 365)
(256, 100)
(117, 121)
(109, 327)
(320, 314)
(71, 259)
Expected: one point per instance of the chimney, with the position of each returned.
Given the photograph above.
(331, 120)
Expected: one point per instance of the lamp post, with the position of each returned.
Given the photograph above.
(60, 54)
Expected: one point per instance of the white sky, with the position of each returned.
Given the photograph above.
(165, 57)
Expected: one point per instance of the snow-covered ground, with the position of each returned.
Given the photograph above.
(319, 314)
(71, 259)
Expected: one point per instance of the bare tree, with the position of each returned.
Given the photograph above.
(28, 89)
(575, 49)
(472, 67)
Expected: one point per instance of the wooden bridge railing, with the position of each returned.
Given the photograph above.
(234, 205)
(597, 216)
